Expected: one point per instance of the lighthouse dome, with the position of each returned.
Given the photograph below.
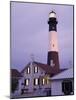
(52, 14)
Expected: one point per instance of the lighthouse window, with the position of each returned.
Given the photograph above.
(53, 45)
(52, 63)
(52, 27)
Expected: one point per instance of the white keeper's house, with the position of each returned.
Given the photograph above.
(35, 79)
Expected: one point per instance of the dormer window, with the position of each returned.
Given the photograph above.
(35, 69)
(28, 70)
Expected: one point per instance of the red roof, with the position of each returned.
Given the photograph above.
(15, 73)
(48, 69)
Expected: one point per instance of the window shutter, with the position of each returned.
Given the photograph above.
(34, 81)
(25, 82)
(38, 81)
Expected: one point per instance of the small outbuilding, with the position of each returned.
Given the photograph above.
(63, 83)
(15, 77)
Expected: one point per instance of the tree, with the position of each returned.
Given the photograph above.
(14, 84)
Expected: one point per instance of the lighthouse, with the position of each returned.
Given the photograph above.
(53, 57)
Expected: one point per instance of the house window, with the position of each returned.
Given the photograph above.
(36, 81)
(26, 82)
(35, 69)
(52, 63)
(67, 87)
(28, 70)
(43, 81)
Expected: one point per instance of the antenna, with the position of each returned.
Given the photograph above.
(32, 57)
(53, 9)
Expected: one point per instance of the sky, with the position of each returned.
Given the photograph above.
(30, 31)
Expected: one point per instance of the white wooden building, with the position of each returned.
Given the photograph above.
(35, 80)
(63, 83)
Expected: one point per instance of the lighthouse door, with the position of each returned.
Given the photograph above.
(52, 63)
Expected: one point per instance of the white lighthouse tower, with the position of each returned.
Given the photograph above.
(53, 58)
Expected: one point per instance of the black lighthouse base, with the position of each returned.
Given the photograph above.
(53, 59)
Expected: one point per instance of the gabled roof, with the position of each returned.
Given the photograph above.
(65, 74)
(48, 69)
(25, 67)
(15, 73)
